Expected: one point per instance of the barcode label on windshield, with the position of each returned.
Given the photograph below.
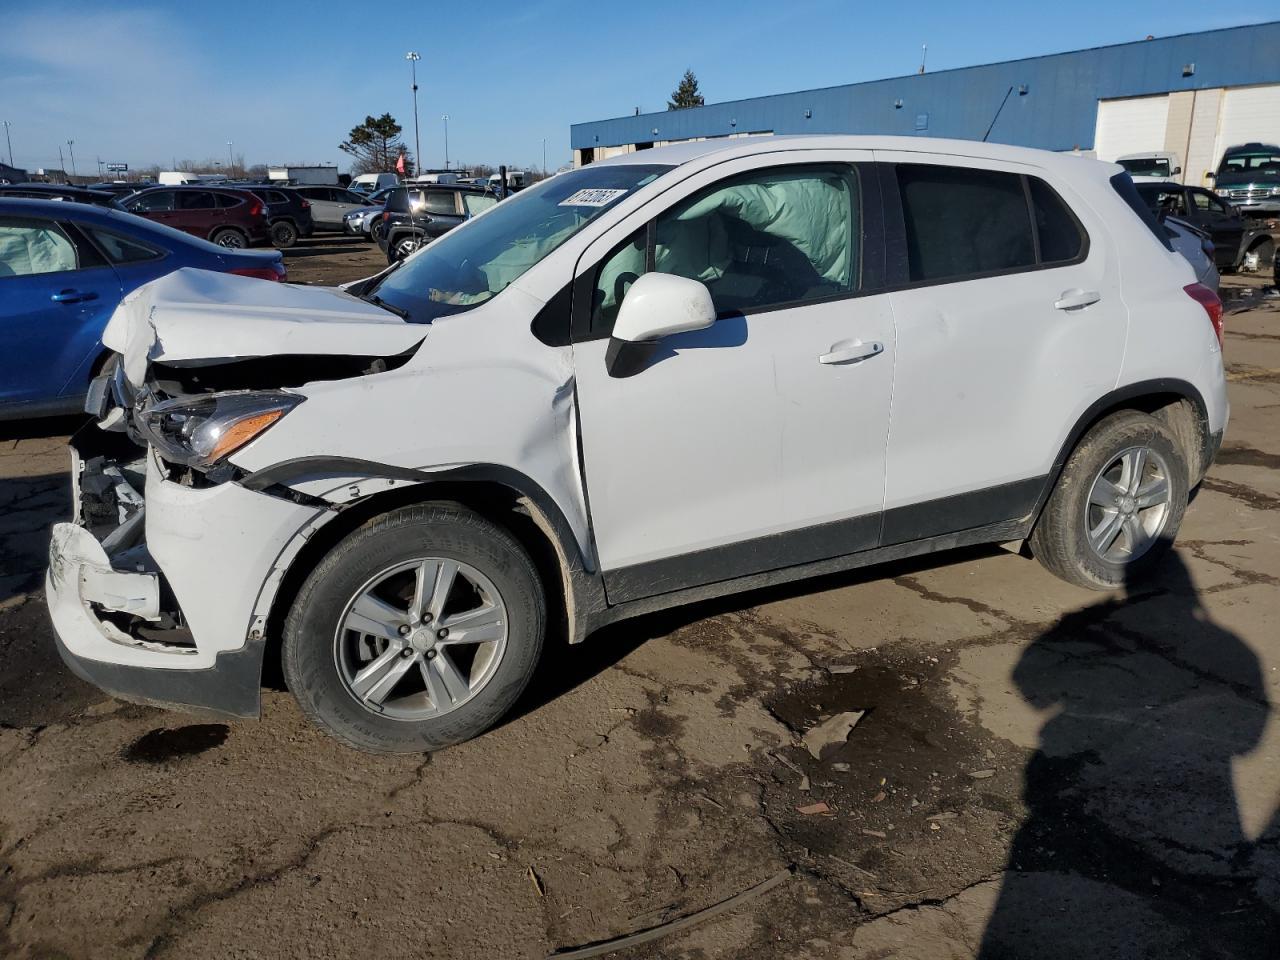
(592, 198)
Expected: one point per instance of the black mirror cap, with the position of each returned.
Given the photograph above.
(626, 358)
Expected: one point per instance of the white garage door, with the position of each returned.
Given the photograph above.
(1134, 125)
(1249, 114)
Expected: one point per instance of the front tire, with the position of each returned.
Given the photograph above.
(377, 229)
(401, 247)
(419, 630)
(1117, 505)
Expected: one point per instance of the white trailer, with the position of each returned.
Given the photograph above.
(325, 176)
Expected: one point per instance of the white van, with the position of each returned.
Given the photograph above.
(372, 182)
(657, 379)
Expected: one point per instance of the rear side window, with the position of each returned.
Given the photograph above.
(475, 203)
(1122, 184)
(122, 249)
(195, 200)
(963, 222)
(1058, 233)
(225, 201)
(440, 201)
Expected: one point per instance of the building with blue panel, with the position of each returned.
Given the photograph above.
(1191, 95)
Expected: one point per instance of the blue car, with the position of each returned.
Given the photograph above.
(64, 268)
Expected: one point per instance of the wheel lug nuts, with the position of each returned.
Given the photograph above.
(442, 633)
(404, 629)
(426, 618)
(431, 654)
(407, 652)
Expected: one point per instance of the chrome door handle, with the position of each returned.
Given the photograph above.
(1075, 299)
(848, 351)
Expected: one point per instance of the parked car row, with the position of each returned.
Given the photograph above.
(64, 268)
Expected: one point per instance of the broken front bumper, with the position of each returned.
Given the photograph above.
(165, 602)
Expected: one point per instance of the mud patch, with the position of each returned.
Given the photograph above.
(164, 745)
(1247, 457)
(1241, 493)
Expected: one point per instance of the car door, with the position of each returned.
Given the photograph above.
(758, 443)
(1010, 323)
(197, 212)
(347, 200)
(1223, 224)
(56, 294)
(323, 206)
(441, 206)
(157, 205)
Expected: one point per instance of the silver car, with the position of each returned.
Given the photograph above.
(330, 204)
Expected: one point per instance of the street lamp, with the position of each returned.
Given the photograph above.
(231, 161)
(70, 143)
(445, 118)
(8, 141)
(413, 59)
(544, 158)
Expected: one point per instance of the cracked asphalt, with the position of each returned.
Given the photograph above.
(1039, 771)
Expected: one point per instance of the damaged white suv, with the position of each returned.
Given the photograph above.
(673, 375)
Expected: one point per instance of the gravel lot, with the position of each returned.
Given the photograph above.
(1039, 772)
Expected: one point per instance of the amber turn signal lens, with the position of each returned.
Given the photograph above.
(242, 431)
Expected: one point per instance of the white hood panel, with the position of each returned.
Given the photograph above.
(201, 316)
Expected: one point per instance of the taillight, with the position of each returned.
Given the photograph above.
(273, 272)
(1211, 303)
(385, 216)
(255, 210)
(306, 204)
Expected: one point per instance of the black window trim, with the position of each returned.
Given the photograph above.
(87, 232)
(895, 223)
(872, 271)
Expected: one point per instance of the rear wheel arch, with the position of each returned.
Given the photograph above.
(1176, 402)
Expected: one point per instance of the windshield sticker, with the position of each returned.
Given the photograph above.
(592, 198)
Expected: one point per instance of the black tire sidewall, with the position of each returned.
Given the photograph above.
(226, 232)
(289, 232)
(1078, 561)
(407, 534)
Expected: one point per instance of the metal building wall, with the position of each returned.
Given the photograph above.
(1057, 111)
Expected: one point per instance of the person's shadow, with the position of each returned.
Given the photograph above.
(1133, 845)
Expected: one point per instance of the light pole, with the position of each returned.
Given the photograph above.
(413, 59)
(544, 158)
(445, 118)
(62, 164)
(70, 145)
(8, 141)
(231, 161)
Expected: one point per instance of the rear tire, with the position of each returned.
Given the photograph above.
(230, 238)
(1117, 505)
(332, 667)
(283, 234)
(377, 229)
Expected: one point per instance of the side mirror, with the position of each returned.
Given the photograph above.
(1210, 175)
(657, 305)
(1176, 171)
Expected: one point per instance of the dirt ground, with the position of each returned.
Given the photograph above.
(1039, 771)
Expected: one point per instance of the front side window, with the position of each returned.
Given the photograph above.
(479, 259)
(474, 203)
(29, 247)
(158, 202)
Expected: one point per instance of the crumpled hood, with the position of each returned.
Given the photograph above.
(199, 316)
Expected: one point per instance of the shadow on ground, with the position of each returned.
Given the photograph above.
(1132, 845)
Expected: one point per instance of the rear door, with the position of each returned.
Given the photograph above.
(1010, 323)
(197, 212)
(345, 201)
(444, 209)
(56, 294)
(323, 206)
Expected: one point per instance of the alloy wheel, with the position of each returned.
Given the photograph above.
(421, 638)
(1128, 505)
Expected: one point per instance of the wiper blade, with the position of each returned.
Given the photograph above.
(377, 301)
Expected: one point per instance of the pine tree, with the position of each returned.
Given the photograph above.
(375, 144)
(686, 95)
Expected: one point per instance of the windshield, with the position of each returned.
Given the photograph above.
(475, 262)
(1146, 167)
(1268, 161)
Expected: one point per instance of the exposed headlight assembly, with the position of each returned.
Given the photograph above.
(200, 431)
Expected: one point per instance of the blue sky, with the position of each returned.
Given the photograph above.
(285, 81)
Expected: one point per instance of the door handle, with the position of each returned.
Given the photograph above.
(73, 296)
(1076, 298)
(849, 351)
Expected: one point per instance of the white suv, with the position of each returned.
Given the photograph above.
(678, 374)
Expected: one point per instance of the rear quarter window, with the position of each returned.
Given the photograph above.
(1122, 184)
